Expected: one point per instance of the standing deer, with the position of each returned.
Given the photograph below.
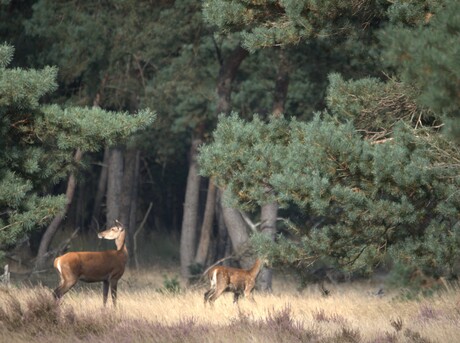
(94, 266)
(228, 279)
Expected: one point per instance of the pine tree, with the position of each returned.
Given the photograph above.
(372, 169)
(38, 143)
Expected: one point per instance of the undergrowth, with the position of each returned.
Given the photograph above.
(38, 317)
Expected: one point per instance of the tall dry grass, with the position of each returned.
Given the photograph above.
(352, 313)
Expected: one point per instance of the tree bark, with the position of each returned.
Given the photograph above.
(233, 221)
(190, 216)
(238, 235)
(128, 196)
(114, 184)
(133, 210)
(54, 225)
(206, 227)
(269, 212)
(101, 187)
(281, 85)
(222, 240)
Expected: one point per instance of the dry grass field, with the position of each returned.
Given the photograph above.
(148, 313)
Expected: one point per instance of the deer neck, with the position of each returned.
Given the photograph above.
(256, 267)
(120, 242)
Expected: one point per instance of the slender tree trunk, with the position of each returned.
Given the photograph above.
(206, 228)
(45, 242)
(133, 210)
(268, 215)
(114, 185)
(101, 186)
(190, 217)
(269, 212)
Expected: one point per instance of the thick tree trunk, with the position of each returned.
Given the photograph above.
(238, 235)
(128, 195)
(45, 242)
(222, 240)
(206, 227)
(114, 186)
(190, 217)
(269, 212)
(101, 187)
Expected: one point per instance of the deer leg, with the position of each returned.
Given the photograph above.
(64, 287)
(217, 293)
(113, 291)
(105, 291)
(236, 296)
(208, 294)
(248, 292)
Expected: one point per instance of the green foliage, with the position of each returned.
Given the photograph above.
(38, 143)
(170, 285)
(274, 23)
(426, 57)
(376, 106)
(400, 196)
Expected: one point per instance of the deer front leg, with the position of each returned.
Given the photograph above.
(248, 291)
(105, 291)
(113, 291)
(236, 296)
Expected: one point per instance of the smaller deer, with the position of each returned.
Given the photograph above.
(228, 279)
(94, 266)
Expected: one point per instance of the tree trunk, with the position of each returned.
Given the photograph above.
(127, 196)
(238, 235)
(268, 216)
(190, 217)
(233, 221)
(269, 212)
(114, 185)
(281, 85)
(101, 187)
(132, 225)
(222, 233)
(206, 228)
(45, 242)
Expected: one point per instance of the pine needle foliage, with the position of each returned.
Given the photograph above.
(38, 143)
(399, 197)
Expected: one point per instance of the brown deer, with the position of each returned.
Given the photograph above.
(94, 266)
(228, 279)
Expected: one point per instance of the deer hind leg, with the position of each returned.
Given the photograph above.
(64, 287)
(208, 294)
(217, 293)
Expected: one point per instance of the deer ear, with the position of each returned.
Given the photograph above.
(119, 225)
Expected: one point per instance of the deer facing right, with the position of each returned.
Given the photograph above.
(228, 279)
